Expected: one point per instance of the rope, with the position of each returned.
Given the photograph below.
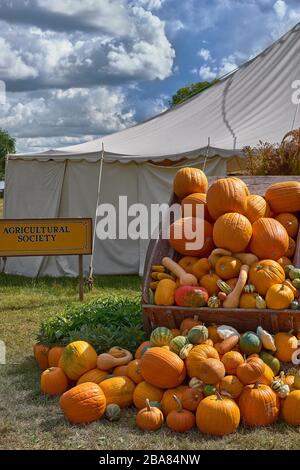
(206, 154)
(90, 280)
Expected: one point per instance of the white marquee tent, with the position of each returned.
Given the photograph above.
(253, 103)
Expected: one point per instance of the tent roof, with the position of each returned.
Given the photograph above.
(252, 103)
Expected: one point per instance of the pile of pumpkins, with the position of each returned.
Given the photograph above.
(210, 377)
(249, 241)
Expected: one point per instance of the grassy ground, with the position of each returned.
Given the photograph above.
(31, 421)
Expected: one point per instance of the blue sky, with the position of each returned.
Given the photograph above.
(78, 69)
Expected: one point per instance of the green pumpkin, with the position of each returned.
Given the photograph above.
(198, 334)
(271, 361)
(214, 302)
(260, 302)
(287, 269)
(177, 343)
(296, 283)
(250, 343)
(294, 273)
(295, 304)
(161, 336)
(113, 412)
(209, 390)
(249, 288)
(224, 287)
(184, 352)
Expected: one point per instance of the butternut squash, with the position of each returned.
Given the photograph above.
(233, 299)
(246, 258)
(185, 279)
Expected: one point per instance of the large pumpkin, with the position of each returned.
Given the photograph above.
(191, 203)
(77, 358)
(95, 375)
(257, 207)
(182, 235)
(198, 354)
(284, 196)
(269, 239)
(217, 415)
(210, 371)
(143, 391)
(290, 223)
(265, 274)
(226, 195)
(84, 403)
(259, 405)
(162, 368)
(188, 181)
(291, 408)
(232, 231)
(118, 390)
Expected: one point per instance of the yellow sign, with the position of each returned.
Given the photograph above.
(45, 237)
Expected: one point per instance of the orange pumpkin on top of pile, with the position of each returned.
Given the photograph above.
(249, 241)
(209, 377)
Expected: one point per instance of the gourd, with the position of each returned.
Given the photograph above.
(266, 339)
(226, 195)
(246, 258)
(214, 302)
(295, 305)
(227, 344)
(191, 296)
(106, 361)
(41, 352)
(83, 403)
(224, 331)
(180, 420)
(232, 300)
(284, 196)
(280, 388)
(198, 334)
(257, 207)
(264, 274)
(294, 285)
(78, 357)
(201, 267)
(184, 352)
(185, 279)
(289, 222)
(54, 381)
(269, 239)
(143, 391)
(113, 412)
(149, 418)
(279, 297)
(224, 287)
(272, 361)
(291, 408)
(227, 267)
(118, 390)
(217, 415)
(259, 405)
(161, 336)
(187, 263)
(260, 302)
(158, 268)
(232, 231)
(183, 236)
(250, 343)
(189, 180)
(178, 343)
(249, 288)
(165, 291)
(162, 368)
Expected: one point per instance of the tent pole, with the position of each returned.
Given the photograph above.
(206, 154)
(90, 280)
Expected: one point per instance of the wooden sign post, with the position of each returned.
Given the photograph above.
(47, 237)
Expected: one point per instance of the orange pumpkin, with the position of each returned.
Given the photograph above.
(264, 274)
(210, 371)
(149, 418)
(201, 267)
(286, 343)
(54, 381)
(232, 231)
(84, 403)
(257, 207)
(141, 349)
(188, 323)
(142, 391)
(190, 398)
(118, 390)
(284, 261)
(231, 360)
(232, 385)
(120, 371)
(279, 297)
(191, 203)
(197, 355)
(187, 263)
(167, 402)
(267, 377)
(54, 355)
(188, 181)
(284, 197)
(226, 195)
(95, 375)
(182, 235)
(269, 239)
(209, 281)
(291, 408)
(228, 267)
(180, 420)
(162, 368)
(40, 352)
(78, 357)
(250, 371)
(134, 371)
(217, 415)
(259, 405)
(248, 300)
(290, 223)
(291, 248)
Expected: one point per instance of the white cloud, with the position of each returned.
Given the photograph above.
(12, 65)
(280, 8)
(207, 73)
(204, 54)
(149, 4)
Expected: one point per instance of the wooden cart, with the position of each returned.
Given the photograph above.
(241, 319)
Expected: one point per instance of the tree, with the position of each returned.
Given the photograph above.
(188, 91)
(7, 145)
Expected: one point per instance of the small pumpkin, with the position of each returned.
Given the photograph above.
(193, 205)
(250, 343)
(210, 283)
(231, 360)
(279, 297)
(284, 196)
(189, 296)
(213, 333)
(164, 293)
(217, 415)
(257, 207)
(201, 267)
(248, 300)
(187, 263)
(134, 371)
(286, 343)
(161, 336)
(198, 354)
(291, 248)
(214, 302)
(227, 267)
(188, 181)
(149, 418)
(141, 349)
(190, 398)
(168, 404)
(142, 391)
(183, 238)
(264, 274)
(78, 357)
(231, 192)
(119, 371)
(41, 352)
(113, 412)
(54, 381)
(180, 420)
(250, 371)
(198, 334)
(259, 405)
(83, 403)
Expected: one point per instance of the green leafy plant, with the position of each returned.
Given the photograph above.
(103, 323)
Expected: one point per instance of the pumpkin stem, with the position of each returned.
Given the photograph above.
(257, 383)
(148, 404)
(178, 402)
